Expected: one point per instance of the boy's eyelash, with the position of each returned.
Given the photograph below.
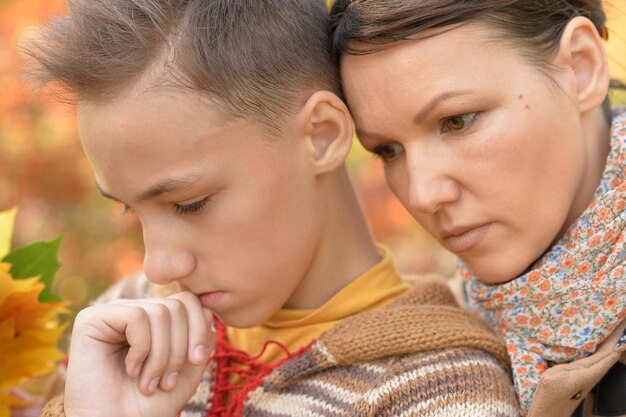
(192, 207)
(180, 208)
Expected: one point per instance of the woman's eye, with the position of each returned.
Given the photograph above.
(458, 123)
(388, 152)
(194, 207)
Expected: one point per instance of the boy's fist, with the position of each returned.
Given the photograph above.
(137, 358)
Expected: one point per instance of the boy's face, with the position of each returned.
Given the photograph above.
(226, 213)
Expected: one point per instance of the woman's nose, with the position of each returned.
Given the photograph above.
(430, 186)
(165, 260)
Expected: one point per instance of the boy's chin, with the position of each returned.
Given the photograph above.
(241, 320)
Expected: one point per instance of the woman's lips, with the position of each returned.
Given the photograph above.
(210, 299)
(466, 239)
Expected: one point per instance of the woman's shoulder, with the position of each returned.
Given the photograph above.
(595, 381)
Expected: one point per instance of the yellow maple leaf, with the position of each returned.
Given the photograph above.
(7, 401)
(7, 220)
(29, 334)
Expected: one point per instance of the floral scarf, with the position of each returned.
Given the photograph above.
(574, 296)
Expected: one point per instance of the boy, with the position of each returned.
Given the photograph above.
(218, 123)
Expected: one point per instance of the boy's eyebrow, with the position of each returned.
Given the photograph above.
(168, 185)
(105, 194)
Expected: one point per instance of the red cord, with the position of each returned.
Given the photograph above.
(228, 400)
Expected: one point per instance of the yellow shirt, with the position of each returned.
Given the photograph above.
(297, 328)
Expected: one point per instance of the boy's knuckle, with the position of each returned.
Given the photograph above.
(184, 297)
(84, 316)
(137, 314)
(176, 362)
(157, 359)
(203, 333)
(160, 312)
(177, 307)
(142, 348)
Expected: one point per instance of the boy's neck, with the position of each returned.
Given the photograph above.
(346, 249)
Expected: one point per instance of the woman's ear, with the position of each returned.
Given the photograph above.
(324, 122)
(582, 50)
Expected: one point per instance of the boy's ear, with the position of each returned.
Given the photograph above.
(325, 123)
(582, 51)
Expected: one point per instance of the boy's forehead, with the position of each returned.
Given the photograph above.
(158, 101)
(153, 101)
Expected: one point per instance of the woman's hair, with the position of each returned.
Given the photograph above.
(365, 26)
(254, 58)
(533, 26)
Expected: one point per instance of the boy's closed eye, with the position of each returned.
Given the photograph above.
(193, 207)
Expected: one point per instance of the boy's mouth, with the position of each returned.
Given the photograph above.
(210, 300)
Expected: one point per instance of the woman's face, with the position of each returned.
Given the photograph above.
(482, 148)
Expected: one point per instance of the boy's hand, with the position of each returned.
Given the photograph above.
(137, 358)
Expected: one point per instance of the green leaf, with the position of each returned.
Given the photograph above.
(37, 259)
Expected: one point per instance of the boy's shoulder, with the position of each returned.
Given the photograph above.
(450, 381)
(417, 356)
(424, 318)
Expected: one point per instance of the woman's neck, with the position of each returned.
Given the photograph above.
(596, 132)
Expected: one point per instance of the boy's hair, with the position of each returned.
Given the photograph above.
(253, 58)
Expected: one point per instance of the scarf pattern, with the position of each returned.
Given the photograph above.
(574, 296)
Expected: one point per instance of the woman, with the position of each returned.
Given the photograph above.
(493, 124)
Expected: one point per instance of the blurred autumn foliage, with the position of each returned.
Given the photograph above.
(43, 171)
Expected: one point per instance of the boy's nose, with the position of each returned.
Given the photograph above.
(165, 262)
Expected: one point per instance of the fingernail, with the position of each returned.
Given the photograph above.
(152, 386)
(213, 329)
(171, 380)
(199, 353)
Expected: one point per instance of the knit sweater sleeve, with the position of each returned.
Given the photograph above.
(452, 382)
(54, 408)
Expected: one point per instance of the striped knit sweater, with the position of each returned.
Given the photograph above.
(420, 356)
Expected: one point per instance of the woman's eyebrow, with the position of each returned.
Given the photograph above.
(435, 102)
(364, 134)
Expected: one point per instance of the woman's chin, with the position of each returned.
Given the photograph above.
(490, 272)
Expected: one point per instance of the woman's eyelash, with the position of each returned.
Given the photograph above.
(388, 152)
(126, 210)
(458, 123)
(194, 207)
